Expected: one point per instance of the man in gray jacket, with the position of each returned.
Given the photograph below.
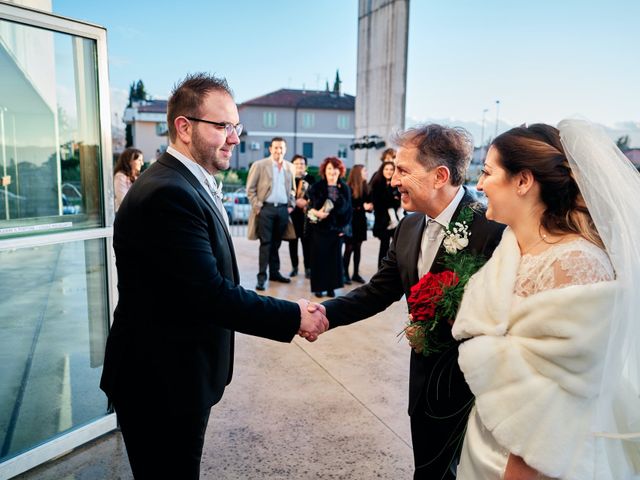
(270, 189)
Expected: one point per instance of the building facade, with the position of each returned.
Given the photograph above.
(148, 121)
(316, 124)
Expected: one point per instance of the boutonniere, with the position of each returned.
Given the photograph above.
(434, 300)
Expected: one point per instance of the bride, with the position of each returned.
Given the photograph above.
(550, 323)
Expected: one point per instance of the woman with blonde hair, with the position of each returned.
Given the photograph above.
(552, 338)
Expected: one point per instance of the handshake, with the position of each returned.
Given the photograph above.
(313, 320)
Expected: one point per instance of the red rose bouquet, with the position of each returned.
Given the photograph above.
(436, 297)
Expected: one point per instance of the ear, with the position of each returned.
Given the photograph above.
(442, 176)
(525, 181)
(183, 129)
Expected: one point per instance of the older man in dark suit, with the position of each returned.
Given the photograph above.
(169, 354)
(431, 164)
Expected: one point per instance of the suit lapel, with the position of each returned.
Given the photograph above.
(172, 162)
(413, 253)
(436, 266)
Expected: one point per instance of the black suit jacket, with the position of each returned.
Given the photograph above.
(395, 278)
(179, 295)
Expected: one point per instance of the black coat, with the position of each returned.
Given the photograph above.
(384, 197)
(340, 216)
(396, 276)
(326, 236)
(359, 216)
(298, 215)
(179, 296)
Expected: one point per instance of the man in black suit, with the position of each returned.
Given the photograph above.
(430, 169)
(169, 354)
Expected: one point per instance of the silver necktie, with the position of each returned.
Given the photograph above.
(216, 193)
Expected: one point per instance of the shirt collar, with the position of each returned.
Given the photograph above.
(447, 214)
(198, 171)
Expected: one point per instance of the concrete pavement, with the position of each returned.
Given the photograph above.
(333, 409)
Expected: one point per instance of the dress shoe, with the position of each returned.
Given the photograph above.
(278, 277)
(307, 273)
(260, 286)
(318, 294)
(358, 278)
(331, 293)
(294, 272)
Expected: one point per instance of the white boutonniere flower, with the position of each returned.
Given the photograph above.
(456, 237)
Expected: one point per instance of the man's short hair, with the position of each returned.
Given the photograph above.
(299, 157)
(438, 145)
(187, 96)
(277, 139)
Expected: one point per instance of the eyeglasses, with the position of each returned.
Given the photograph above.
(229, 128)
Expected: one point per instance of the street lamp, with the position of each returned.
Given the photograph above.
(497, 116)
(484, 113)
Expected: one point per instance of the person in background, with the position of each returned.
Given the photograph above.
(385, 198)
(360, 204)
(329, 212)
(270, 191)
(388, 155)
(126, 172)
(303, 181)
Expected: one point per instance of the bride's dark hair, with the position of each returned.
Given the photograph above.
(538, 148)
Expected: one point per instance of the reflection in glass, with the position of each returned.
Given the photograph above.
(49, 131)
(53, 318)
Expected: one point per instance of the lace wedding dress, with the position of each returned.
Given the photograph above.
(513, 367)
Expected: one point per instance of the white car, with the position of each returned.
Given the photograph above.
(237, 206)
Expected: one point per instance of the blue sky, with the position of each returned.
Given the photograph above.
(543, 60)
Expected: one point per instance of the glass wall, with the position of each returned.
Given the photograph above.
(49, 131)
(53, 325)
(55, 235)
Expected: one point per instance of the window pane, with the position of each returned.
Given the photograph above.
(343, 122)
(308, 120)
(307, 149)
(49, 132)
(269, 119)
(53, 325)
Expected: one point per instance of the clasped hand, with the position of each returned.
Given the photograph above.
(313, 320)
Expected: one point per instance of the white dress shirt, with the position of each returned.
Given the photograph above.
(278, 193)
(433, 234)
(207, 180)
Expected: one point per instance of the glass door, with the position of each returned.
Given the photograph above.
(56, 216)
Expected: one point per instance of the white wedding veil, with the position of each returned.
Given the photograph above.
(610, 185)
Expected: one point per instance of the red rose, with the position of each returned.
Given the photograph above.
(427, 293)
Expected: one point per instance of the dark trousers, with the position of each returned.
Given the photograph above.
(272, 223)
(161, 444)
(293, 252)
(436, 443)
(351, 247)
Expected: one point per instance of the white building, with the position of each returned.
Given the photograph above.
(148, 120)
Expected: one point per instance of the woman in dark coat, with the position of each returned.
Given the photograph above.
(298, 216)
(360, 204)
(327, 227)
(384, 197)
